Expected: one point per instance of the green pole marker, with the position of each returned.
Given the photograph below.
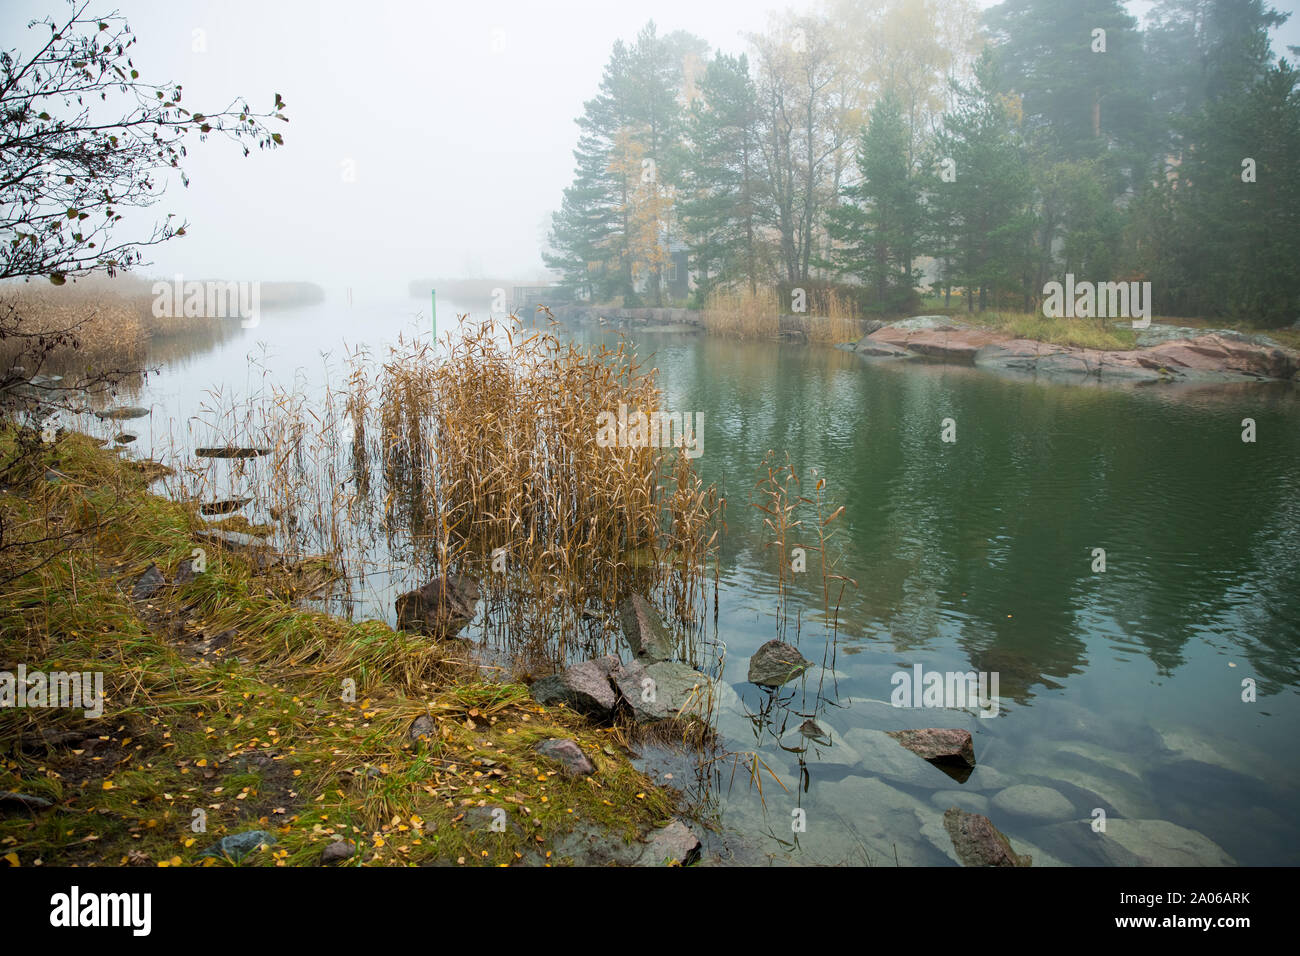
(434, 308)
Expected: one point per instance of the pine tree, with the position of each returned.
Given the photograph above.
(980, 221)
(876, 227)
(720, 215)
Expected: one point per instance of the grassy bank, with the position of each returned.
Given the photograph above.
(1072, 333)
(223, 695)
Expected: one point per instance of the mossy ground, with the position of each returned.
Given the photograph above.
(257, 731)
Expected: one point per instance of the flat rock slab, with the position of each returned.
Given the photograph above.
(231, 539)
(941, 341)
(776, 663)
(125, 413)
(882, 756)
(643, 629)
(1035, 802)
(573, 762)
(978, 842)
(938, 744)
(681, 689)
(1159, 843)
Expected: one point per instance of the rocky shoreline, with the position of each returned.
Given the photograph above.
(1164, 353)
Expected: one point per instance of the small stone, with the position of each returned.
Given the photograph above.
(336, 851)
(148, 584)
(239, 845)
(573, 762)
(185, 572)
(422, 728)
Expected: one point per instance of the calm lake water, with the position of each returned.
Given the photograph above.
(1121, 691)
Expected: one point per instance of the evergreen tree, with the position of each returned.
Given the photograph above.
(721, 214)
(876, 227)
(980, 220)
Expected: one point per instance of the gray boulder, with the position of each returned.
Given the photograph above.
(584, 687)
(776, 663)
(440, 608)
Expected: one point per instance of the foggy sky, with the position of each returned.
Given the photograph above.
(457, 118)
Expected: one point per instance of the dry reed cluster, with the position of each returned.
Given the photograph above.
(756, 315)
(483, 462)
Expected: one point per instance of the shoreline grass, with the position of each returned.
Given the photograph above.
(257, 733)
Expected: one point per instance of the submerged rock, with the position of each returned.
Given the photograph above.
(125, 413)
(125, 438)
(1159, 843)
(223, 506)
(673, 845)
(440, 608)
(573, 762)
(882, 756)
(970, 802)
(978, 842)
(938, 744)
(1037, 803)
(776, 663)
(231, 451)
(644, 630)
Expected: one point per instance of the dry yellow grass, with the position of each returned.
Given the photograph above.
(743, 314)
(484, 462)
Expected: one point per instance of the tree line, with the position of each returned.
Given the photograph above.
(882, 146)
